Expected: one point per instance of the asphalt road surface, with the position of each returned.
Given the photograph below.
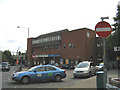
(68, 82)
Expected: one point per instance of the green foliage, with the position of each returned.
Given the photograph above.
(6, 56)
(114, 39)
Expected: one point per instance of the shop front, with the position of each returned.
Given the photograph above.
(46, 59)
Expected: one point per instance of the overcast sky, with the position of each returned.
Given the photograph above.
(45, 16)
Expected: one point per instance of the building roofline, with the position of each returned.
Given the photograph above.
(64, 30)
(60, 31)
(82, 29)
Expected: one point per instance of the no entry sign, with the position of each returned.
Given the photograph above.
(103, 29)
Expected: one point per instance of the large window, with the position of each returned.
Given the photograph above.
(42, 40)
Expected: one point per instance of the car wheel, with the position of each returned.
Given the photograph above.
(58, 78)
(25, 80)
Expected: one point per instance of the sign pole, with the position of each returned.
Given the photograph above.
(103, 29)
(104, 61)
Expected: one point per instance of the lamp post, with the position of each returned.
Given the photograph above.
(24, 27)
(28, 37)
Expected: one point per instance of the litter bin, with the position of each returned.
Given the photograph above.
(100, 79)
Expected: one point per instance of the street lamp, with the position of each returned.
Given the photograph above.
(24, 27)
(28, 35)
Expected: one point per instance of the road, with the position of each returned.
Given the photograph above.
(68, 82)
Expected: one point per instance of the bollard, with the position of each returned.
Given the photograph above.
(100, 80)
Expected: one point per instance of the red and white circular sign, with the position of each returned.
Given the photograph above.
(103, 29)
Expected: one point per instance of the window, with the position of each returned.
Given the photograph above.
(59, 38)
(88, 34)
(56, 38)
(82, 65)
(73, 45)
(70, 45)
(40, 69)
(50, 69)
(52, 38)
(64, 46)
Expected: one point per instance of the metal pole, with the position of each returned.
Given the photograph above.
(104, 56)
(28, 32)
(104, 61)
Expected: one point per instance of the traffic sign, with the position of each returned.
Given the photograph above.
(103, 29)
(117, 48)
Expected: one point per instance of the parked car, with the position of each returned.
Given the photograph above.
(100, 67)
(5, 66)
(40, 73)
(65, 66)
(84, 69)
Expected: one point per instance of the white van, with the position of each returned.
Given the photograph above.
(84, 69)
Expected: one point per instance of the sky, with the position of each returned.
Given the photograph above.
(45, 16)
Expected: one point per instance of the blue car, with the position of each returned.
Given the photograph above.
(40, 73)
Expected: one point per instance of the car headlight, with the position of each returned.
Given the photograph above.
(74, 71)
(15, 75)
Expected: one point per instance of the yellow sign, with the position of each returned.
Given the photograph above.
(118, 58)
(39, 75)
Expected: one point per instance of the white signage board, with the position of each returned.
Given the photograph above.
(117, 48)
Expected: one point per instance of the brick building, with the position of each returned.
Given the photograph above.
(62, 47)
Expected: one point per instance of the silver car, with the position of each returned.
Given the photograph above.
(84, 69)
(5, 66)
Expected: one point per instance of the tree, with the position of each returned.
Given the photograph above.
(114, 39)
(6, 56)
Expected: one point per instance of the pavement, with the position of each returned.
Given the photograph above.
(86, 83)
(112, 73)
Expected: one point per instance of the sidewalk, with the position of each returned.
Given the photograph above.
(112, 73)
(85, 83)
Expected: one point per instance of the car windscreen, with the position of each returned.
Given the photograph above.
(4, 64)
(101, 64)
(31, 69)
(82, 65)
